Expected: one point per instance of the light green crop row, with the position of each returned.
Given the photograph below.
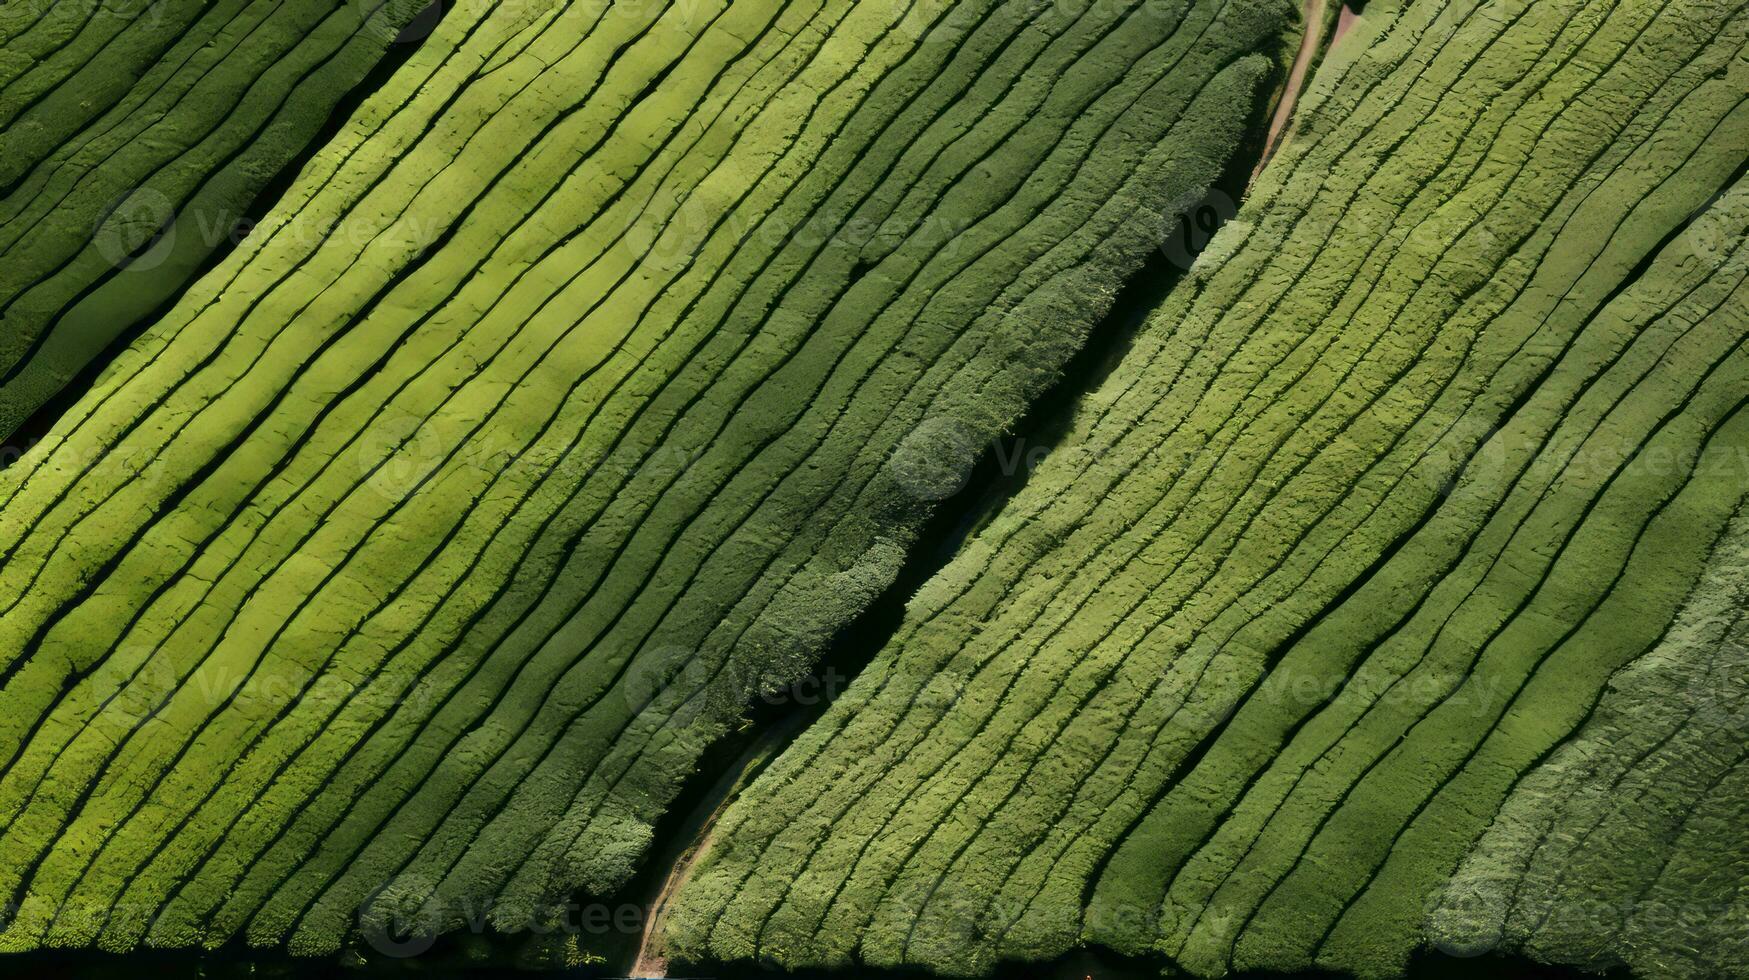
(597, 371)
(1435, 438)
(133, 137)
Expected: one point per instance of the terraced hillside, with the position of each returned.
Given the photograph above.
(404, 568)
(134, 134)
(1626, 846)
(1436, 438)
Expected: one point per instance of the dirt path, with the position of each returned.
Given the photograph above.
(1343, 23)
(1310, 45)
(650, 962)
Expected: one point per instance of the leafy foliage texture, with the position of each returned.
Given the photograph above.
(1435, 439)
(597, 370)
(134, 135)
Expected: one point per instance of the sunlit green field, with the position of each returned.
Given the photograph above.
(444, 441)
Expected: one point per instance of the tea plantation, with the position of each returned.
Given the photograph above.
(404, 568)
(1436, 439)
(441, 433)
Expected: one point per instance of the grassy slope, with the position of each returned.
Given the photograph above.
(1433, 440)
(600, 368)
(133, 135)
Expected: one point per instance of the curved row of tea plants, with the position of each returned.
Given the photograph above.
(1436, 436)
(596, 372)
(133, 136)
(1627, 846)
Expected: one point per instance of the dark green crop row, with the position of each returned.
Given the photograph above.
(1627, 846)
(595, 373)
(134, 134)
(1436, 437)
